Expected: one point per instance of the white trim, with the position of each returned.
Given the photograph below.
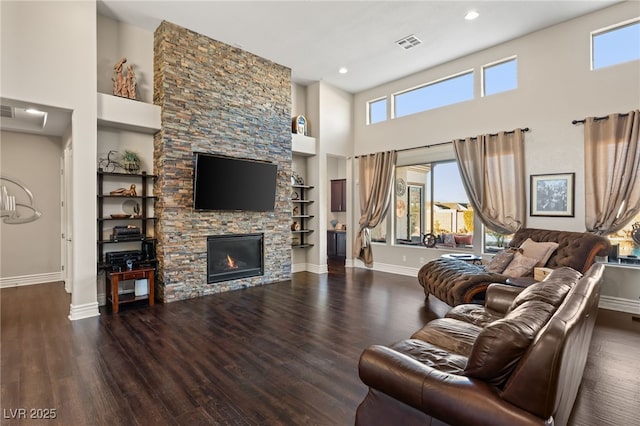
(298, 267)
(389, 268)
(619, 304)
(88, 310)
(31, 279)
(317, 269)
(309, 267)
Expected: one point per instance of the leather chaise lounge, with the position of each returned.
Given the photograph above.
(456, 282)
(518, 360)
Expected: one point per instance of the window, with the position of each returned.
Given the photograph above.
(448, 91)
(434, 202)
(494, 241)
(379, 233)
(499, 77)
(611, 46)
(624, 240)
(377, 110)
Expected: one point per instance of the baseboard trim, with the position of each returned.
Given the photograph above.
(31, 279)
(389, 268)
(309, 267)
(298, 267)
(619, 304)
(87, 310)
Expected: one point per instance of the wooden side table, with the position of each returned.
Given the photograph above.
(114, 278)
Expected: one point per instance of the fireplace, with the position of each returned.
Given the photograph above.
(234, 256)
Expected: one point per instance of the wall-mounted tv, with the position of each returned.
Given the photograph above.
(228, 183)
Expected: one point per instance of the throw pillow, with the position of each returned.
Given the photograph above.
(449, 240)
(500, 261)
(465, 240)
(520, 266)
(538, 250)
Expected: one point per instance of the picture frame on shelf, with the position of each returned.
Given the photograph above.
(552, 195)
(299, 125)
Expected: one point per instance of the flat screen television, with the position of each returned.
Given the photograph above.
(228, 183)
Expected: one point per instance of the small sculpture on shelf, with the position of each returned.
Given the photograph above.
(124, 86)
(123, 192)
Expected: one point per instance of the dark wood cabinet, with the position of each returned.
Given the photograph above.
(339, 195)
(336, 244)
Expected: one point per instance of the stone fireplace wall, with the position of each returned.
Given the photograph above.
(218, 99)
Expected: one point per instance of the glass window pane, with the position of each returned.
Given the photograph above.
(615, 46)
(500, 77)
(379, 233)
(377, 111)
(628, 249)
(443, 211)
(445, 92)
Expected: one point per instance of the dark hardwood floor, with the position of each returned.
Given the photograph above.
(284, 353)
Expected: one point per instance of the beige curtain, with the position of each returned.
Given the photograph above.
(375, 180)
(612, 172)
(492, 170)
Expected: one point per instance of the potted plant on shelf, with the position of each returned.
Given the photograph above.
(130, 162)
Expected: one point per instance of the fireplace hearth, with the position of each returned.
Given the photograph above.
(234, 256)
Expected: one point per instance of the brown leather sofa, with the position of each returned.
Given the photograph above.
(456, 282)
(518, 360)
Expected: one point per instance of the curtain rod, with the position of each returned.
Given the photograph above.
(526, 129)
(597, 118)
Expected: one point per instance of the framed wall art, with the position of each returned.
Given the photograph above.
(552, 195)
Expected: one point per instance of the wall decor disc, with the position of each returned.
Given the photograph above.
(401, 187)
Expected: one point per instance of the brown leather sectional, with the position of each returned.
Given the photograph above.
(456, 282)
(517, 360)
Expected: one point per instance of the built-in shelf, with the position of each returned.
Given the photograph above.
(300, 213)
(128, 114)
(303, 145)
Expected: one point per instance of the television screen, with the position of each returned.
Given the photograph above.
(227, 183)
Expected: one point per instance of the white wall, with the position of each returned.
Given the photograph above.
(555, 86)
(117, 40)
(48, 52)
(330, 110)
(32, 248)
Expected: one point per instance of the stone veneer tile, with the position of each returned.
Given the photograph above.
(218, 99)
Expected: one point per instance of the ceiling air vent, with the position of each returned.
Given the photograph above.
(6, 111)
(409, 42)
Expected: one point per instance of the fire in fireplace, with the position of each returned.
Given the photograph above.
(234, 256)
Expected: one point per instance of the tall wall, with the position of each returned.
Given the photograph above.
(48, 51)
(555, 86)
(218, 99)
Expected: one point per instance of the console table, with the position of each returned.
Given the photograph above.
(113, 281)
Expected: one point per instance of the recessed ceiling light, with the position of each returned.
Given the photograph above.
(33, 111)
(343, 70)
(471, 15)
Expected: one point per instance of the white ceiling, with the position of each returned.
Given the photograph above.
(316, 38)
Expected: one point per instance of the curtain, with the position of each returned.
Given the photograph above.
(612, 172)
(492, 171)
(375, 180)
